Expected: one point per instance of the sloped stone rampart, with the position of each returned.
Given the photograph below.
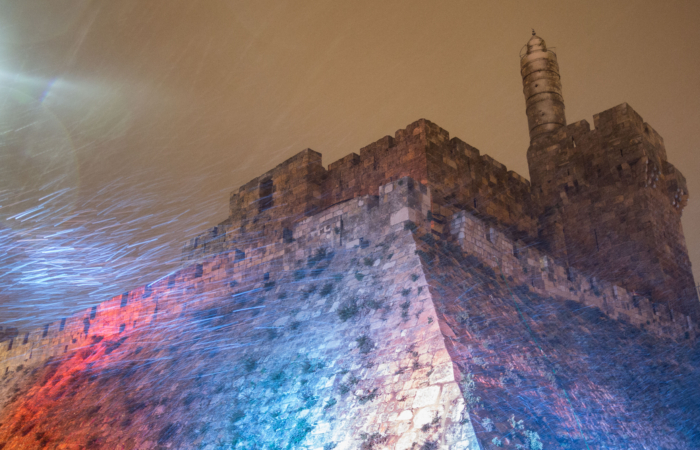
(542, 372)
(327, 341)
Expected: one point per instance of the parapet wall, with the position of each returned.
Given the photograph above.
(458, 175)
(523, 264)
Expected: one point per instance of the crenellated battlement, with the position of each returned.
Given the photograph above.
(458, 174)
(610, 205)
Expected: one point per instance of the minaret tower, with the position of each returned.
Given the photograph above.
(607, 201)
(542, 89)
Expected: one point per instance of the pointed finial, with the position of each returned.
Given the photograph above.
(533, 31)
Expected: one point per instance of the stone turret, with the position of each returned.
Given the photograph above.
(542, 89)
(607, 201)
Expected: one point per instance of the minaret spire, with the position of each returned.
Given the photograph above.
(542, 89)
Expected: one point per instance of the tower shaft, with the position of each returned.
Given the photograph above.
(542, 89)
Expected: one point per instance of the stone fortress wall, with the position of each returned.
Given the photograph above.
(265, 250)
(347, 225)
(461, 179)
(605, 202)
(163, 309)
(477, 230)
